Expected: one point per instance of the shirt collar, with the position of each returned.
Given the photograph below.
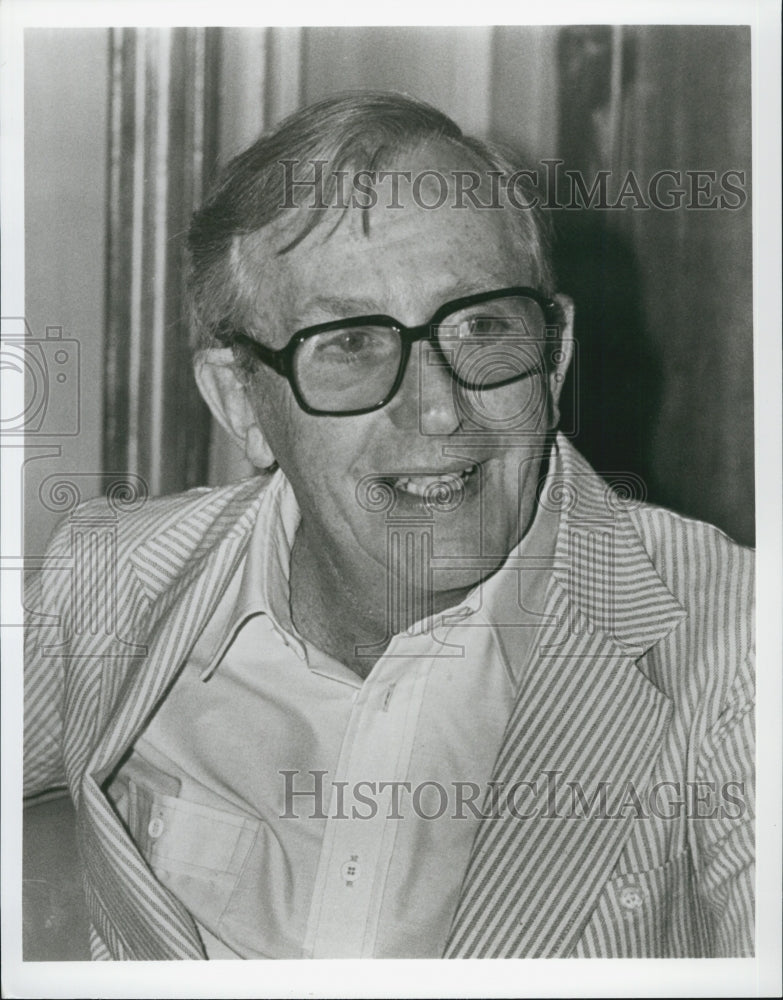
(265, 586)
(264, 581)
(265, 577)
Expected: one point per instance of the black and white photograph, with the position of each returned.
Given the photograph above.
(391, 495)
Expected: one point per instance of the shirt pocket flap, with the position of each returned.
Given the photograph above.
(183, 837)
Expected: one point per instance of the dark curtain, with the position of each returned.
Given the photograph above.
(664, 382)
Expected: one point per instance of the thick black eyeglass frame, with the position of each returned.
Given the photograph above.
(282, 360)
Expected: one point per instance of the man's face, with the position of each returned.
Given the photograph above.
(485, 447)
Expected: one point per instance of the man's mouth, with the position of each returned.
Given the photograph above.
(431, 483)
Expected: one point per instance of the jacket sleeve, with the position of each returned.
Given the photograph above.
(726, 840)
(47, 606)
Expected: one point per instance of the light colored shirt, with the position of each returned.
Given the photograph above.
(298, 811)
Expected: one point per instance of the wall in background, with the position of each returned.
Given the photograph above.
(449, 67)
(65, 91)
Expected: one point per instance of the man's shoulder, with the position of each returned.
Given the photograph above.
(691, 547)
(695, 546)
(710, 575)
(133, 520)
(712, 578)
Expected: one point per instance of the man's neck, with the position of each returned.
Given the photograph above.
(345, 610)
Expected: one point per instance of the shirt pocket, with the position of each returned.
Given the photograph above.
(196, 851)
(648, 914)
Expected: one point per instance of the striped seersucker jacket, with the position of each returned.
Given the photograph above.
(634, 725)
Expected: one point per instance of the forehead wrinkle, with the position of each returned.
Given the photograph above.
(341, 305)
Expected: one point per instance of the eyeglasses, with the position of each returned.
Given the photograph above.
(352, 366)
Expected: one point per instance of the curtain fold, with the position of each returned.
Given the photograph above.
(162, 153)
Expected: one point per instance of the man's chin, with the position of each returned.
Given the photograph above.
(443, 553)
(443, 583)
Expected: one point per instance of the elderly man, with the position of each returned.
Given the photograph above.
(427, 687)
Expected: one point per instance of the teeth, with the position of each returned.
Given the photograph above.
(418, 485)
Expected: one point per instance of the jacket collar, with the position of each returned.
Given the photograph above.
(600, 561)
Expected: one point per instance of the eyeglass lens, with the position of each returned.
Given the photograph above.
(486, 346)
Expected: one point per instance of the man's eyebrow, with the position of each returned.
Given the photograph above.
(340, 307)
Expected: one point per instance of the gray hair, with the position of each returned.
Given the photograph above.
(364, 131)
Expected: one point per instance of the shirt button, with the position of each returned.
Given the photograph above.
(350, 872)
(155, 829)
(631, 898)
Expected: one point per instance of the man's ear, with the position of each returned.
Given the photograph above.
(224, 391)
(563, 357)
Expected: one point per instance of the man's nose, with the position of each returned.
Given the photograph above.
(426, 399)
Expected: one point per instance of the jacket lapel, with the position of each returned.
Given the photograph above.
(587, 726)
(183, 569)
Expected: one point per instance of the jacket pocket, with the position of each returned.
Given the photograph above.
(648, 914)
